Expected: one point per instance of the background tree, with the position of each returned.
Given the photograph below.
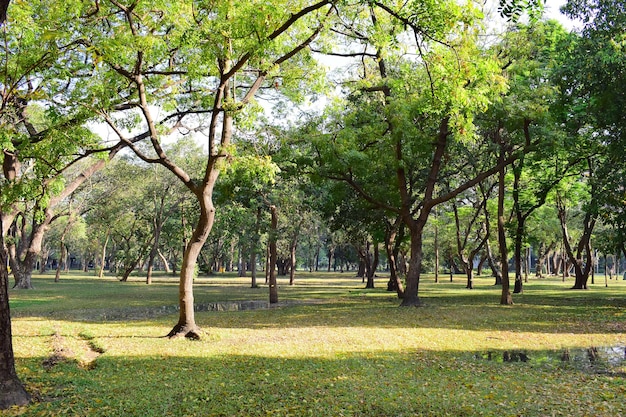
(594, 79)
(396, 114)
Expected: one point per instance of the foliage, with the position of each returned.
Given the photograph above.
(594, 79)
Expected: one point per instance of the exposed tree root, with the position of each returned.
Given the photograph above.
(411, 302)
(186, 331)
(12, 393)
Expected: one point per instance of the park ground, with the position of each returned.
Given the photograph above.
(91, 347)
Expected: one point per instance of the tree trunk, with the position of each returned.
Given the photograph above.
(241, 263)
(43, 260)
(469, 272)
(331, 255)
(505, 297)
(292, 251)
(273, 256)
(372, 265)
(481, 264)
(581, 269)
(23, 259)
(436, 252)
(104, 254)
(517, 257)
(12, 392)
(255, 247)
(253, 269)
(411, 297)
(62, 261)
(153, 252)
(527, 264)
(186, 326)
(392, 246)
(494, 265)
(166, 263)
(360, 273)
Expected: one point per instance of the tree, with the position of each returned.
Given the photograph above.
(593, 80)
(191, 59)
(398, 124)
(42, 131)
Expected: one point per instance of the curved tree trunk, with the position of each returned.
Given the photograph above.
(186, 326)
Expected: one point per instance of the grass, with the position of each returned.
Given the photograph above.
(334, 350)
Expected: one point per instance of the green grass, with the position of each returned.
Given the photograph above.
(334, 349)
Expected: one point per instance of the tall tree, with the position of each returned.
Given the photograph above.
(401, 119)
(594, 86)
(190, 59)
(42, 131)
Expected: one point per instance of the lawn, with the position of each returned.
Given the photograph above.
(90, 347)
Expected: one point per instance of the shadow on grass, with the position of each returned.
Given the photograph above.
(546, 306)
(412, 383)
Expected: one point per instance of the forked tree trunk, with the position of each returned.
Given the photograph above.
(331, 256)
(23, 258)
(493, 264)
(392, 247)
(372, 265)
(581, 268)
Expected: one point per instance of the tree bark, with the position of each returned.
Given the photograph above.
(393, 237)
(411, 297)
(12, 392)
(372, 265)
(292, 252)
(273, 256)
(505, 298)
(186, 326)
(494, 265)
(255, 247)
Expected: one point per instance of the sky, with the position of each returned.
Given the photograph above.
(552, 11)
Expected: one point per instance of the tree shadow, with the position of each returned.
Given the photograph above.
(409, 383)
